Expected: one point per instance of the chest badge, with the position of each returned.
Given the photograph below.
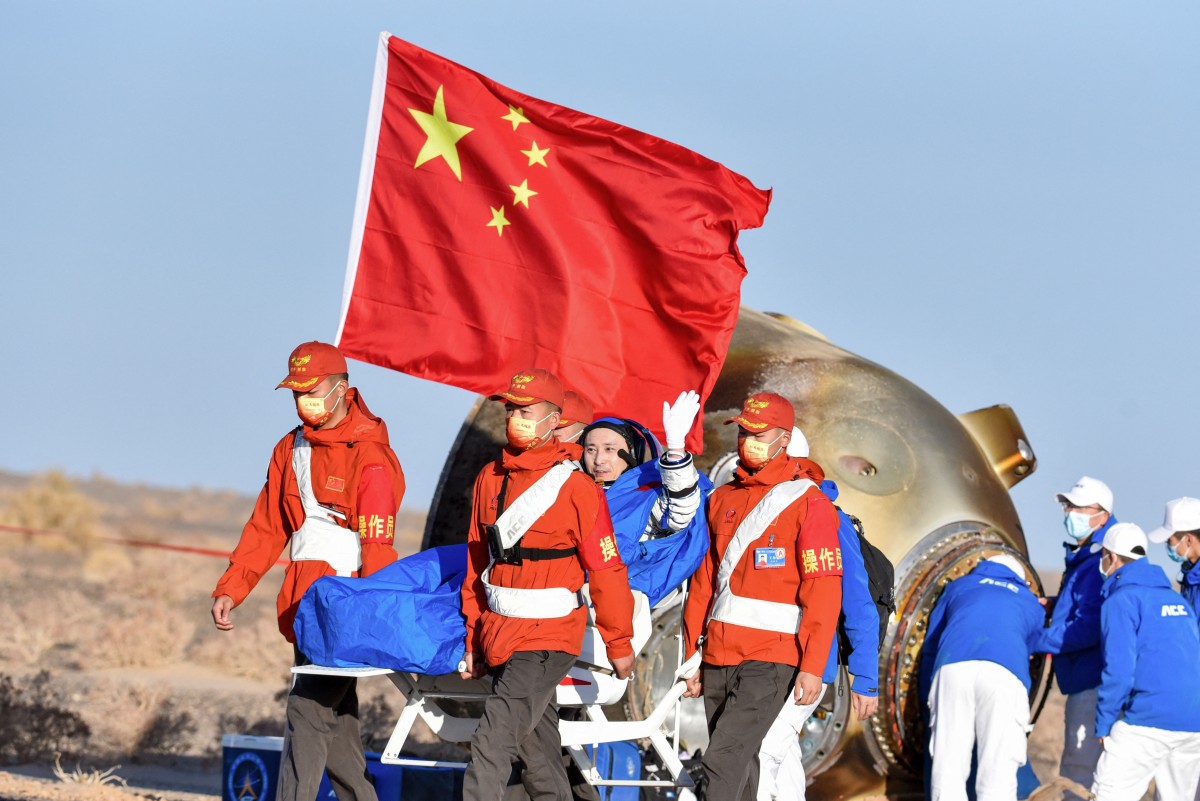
(335, 484)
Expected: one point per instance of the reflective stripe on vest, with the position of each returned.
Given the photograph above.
(320, 538)
(513, 523)
(752, 612)
(543, 604)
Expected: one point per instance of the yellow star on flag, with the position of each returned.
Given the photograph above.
(536, 156)
(516, 116)
(498, 221)
(522, 193)
(442, 134)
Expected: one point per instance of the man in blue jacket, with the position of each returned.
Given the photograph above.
(974, 675)
(1181, 533)
(1148, 714)
(1073, 635)
(780, 758)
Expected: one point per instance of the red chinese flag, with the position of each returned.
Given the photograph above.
(496, 232)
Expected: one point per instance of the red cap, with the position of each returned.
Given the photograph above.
(576, 409)
(532, 386)
(764, 410)
(310, 363)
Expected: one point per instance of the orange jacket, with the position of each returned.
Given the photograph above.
(578, 518)
(811, 575)
(353, 471)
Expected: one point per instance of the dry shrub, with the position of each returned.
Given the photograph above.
(168, 577)
(105, 564)
(140, 633)
(119, 713)
(93, 776)
(44, 621)
(34, 724)
(167, 732)
(51, 501)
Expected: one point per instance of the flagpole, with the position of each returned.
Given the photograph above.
(366, 176)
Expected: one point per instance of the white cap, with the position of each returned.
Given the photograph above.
(798, 444)
(1088, 491)
(1183, 514)
(1011, 562)
(1125, 539)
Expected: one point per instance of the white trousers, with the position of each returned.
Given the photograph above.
(780, 758)
(1081, 749)
(1135, 754)
(977, 705)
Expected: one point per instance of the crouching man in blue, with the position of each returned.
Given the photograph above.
(975, 676)
(780, 758)
(1148, 713)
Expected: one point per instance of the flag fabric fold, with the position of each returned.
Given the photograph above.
(495, 232)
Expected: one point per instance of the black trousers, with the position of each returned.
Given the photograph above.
(520, 720)
(740, 702)
(322, 734)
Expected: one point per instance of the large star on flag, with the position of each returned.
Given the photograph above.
(442, 135)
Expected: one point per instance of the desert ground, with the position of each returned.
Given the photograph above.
(111, 663)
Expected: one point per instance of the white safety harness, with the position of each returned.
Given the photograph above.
(752, 612)
(513, 523)
(320, 538)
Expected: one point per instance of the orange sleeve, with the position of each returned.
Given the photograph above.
(699, 599)
(821, 600)
(474, 601)
(607, 576)
(817, 543)
(375, 511)
(820, 582)
(263, 538)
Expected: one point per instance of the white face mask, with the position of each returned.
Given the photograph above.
(1078, 525)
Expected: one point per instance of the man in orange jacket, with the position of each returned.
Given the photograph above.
(537, 525)
(764, 605)
(333, 489)
(577, 414)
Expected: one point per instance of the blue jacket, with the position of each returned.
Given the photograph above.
(1189, 587)
(988, 615)
(1151, 653)
(860, 616)
(1073, 635)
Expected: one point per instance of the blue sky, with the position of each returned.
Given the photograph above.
(999, 201)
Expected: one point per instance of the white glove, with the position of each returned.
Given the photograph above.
(678, 419)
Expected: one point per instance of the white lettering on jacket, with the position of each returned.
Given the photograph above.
(1004, 584)
(1174, 610)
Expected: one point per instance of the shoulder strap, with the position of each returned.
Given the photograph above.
(534, 502)
(778, 498)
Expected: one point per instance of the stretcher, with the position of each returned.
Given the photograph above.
(589, 686)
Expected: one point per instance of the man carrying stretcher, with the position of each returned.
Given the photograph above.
(537, 524)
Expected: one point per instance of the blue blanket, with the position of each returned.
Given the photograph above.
(408, 616)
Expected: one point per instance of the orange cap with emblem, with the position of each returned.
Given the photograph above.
(764, 410)
(532, 386)
(576, 409)
(310, 363)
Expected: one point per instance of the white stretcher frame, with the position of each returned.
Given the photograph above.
(600, 688)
